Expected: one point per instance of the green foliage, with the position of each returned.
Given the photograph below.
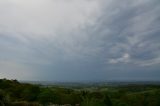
(31, 93)
(13, 93)
(24, 103)
(107, 100)
(46, 96)
(4, 99)
(92, 102)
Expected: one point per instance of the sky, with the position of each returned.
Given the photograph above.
(80, 40)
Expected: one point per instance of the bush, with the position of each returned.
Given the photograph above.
(24, 103)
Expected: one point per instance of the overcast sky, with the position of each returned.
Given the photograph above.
(80, 40)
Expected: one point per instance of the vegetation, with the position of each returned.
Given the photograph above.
(14, 93)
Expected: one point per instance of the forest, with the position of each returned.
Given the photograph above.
(15, 93)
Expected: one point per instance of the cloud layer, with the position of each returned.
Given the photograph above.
(80, 40)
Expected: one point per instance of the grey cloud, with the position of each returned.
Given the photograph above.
(81, 40)
(132, 26)
(124, 58)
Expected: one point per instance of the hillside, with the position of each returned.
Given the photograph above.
(14, 93)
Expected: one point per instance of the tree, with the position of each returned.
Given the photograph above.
(107, 101)
(46, 97)
(31, 92)
(4, 99)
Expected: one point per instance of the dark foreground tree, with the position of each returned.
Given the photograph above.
(4, 99)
